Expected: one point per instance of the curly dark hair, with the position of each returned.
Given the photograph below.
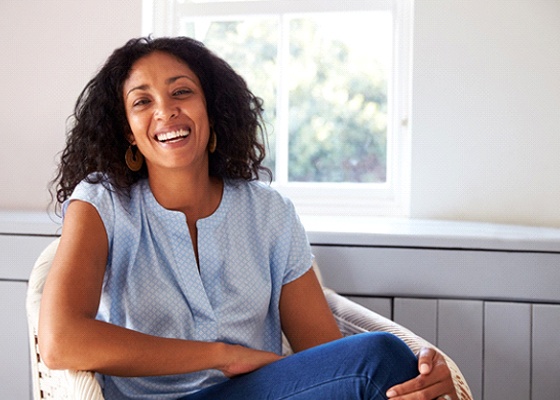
(97, 140)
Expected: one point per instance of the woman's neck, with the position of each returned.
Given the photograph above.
(196, 195)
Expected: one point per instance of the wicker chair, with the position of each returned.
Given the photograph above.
(82, 385)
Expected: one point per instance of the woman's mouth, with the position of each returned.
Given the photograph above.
(173, 136)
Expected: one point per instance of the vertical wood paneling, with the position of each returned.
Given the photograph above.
(14, 353)
(418, 315)
(380, 305)
(546, 352)
(507, 351)
(460, 336)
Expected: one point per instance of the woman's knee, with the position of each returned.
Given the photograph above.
(384, 342)
(382, 351)
(374, 341)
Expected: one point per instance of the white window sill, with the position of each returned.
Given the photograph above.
(405, 232)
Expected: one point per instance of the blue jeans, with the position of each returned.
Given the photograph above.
(362, 366)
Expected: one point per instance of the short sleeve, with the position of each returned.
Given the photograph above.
(99, 196)
(299, 256)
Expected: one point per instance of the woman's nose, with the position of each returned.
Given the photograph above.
(167, 110)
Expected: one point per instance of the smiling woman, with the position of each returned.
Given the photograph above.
(177, 279)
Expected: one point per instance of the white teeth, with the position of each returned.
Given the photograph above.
(167, 136)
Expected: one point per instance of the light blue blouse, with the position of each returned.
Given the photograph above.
(252, 245)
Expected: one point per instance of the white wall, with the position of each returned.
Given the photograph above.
(486, 111)
(486, 101)
(50, 49)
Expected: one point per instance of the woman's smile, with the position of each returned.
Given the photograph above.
(174, 140)
(173, 136)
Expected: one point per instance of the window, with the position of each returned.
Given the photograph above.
(334, 77)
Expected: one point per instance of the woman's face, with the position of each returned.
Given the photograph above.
(166, 110)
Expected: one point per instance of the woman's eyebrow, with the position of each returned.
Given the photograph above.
(141, 87)
(175, 78)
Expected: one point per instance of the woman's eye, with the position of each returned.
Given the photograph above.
(181, 92)
(140, 102)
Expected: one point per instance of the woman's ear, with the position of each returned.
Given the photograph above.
(129, 136)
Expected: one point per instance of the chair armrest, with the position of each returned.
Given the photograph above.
(84, 385)
(65, 384)
(48, 383)
(352, 318)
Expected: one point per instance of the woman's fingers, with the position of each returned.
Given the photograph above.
(425, 360)
(435, 379)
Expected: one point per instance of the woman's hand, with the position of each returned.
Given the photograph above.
(242, 360)
(434, 381)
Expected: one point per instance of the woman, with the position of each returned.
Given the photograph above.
(177, 270)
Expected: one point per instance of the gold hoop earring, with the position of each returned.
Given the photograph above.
(133, 158)
(213, 142)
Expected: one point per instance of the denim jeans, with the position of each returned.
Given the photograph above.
(362, 366)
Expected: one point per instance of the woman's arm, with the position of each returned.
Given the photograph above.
(307, 320)
(71, 338)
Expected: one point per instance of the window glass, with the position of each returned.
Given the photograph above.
(338, 76)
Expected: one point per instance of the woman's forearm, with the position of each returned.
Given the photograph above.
(109, 349)
(93, 345)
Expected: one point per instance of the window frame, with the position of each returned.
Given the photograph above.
(391, 198)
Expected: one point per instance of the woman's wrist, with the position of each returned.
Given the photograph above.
(221, 355)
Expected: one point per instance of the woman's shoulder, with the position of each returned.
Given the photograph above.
(92, 187)
(257, 191)
(98, 188)
(259, 199)
(111, 203)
